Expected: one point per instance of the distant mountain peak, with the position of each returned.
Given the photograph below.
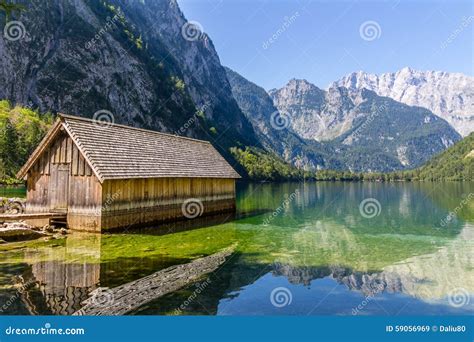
(407, 69)
(341, 128)
(301, 83)
(448, 95)
(366, 130)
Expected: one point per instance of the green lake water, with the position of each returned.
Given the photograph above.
(299, 249)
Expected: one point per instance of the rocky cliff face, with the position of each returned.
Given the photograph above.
(315, 114)
(271, 127)
(196, 57)
(341, 128)
(367, 132)
(448, 95)
(141, 61)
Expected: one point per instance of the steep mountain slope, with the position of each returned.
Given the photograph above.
(141, 63)
(367, 132)
(270, 127)
(456, 163)
(389, 134)
(448, 95)
(140, 60)
(315, 114)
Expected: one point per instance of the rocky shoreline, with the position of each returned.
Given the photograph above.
(21, 231)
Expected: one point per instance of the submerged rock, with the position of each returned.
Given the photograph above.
(21, 231)
(18, 231)
(49, 229)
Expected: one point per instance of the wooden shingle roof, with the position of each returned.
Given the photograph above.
(121, 152)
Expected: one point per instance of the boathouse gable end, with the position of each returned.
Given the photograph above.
(113, 176)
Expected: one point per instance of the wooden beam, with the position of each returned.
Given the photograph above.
(130, 296)
(20, 217)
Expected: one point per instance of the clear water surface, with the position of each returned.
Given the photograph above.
(299, 249)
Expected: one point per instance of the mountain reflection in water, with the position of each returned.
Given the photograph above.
(318, 247)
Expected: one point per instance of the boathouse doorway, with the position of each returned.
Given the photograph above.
(59, 187)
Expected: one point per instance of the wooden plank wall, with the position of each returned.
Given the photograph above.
(85, 201)
(85, 191)
(138, 201)
(119, 203)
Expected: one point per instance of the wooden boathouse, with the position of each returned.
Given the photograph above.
(106, 176)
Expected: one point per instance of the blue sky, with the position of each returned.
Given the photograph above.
(322, 41)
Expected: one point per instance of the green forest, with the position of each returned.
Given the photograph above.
(21, 129)
(454, 164)
(261, 165)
